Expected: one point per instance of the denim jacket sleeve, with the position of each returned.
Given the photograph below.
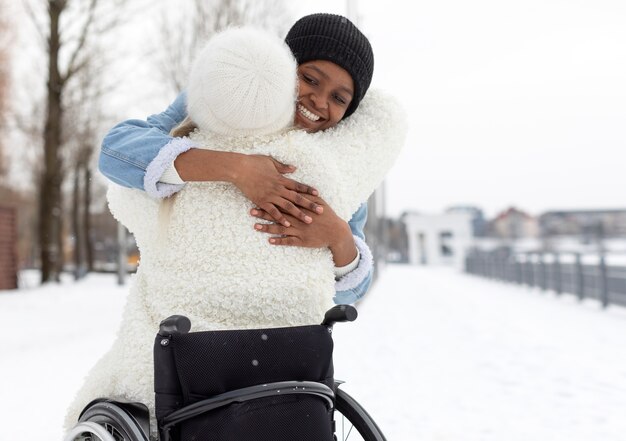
(353, 286)
(130, 148)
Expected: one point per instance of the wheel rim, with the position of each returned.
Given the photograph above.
(352, 422)
(114, 423)
(87, 430)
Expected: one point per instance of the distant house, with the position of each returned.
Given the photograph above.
(479, 223)
(439, 239)
(584, 223)
(514, 224)
(396, 239)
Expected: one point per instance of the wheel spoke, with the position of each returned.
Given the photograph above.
(349, 431)
(356, 423)
(347, 425)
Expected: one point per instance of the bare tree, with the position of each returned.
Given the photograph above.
(71, 25)
(85, 122)
(181, 35)
(5, 39)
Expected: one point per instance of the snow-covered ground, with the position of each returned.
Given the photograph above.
(435, 355)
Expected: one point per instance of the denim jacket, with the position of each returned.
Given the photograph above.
(135, 153)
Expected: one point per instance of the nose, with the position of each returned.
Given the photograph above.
(319, 101)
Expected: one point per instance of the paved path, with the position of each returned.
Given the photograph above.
(435, 355)
(439, 355)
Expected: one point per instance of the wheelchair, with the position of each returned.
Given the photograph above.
(243, 385)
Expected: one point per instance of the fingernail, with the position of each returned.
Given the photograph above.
(272, 241)
(254, 212)
(287, 224)
(257, 226)
(319, 209)
(308, 219)
(315, 192)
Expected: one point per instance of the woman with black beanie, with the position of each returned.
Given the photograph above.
(336, 65)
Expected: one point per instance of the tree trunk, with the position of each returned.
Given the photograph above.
(50, 190)
(76, 227)
(87, 236)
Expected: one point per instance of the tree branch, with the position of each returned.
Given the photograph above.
(35, 21)
(73, 67)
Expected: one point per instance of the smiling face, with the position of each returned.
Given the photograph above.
(325, 92)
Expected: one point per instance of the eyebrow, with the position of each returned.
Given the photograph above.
(325, 75)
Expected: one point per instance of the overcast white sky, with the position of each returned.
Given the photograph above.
(509, 102)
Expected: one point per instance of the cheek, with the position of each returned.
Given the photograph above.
(336, 115)
(303, 88)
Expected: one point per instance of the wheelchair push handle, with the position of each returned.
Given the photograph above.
(339, 314)
(179, 324)
(174, 325)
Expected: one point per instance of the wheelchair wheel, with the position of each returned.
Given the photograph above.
(352, 422)
(106, 421)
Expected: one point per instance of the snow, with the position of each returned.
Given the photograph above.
(435, 355)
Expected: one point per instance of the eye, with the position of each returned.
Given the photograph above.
(309, 79)
(340, 100)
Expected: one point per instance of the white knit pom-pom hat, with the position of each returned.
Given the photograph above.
(243, 82)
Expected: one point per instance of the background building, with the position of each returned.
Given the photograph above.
(586, 223)
(8, 248)
(439, 239)
(513, 224)
(480, 225)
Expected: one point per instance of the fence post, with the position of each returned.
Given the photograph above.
(504, 265)
(604, 287)
(557, 274)
(506, 269)
(497, 263)
(542, 272)
(530, 265)
(580, 278)
(519, 270)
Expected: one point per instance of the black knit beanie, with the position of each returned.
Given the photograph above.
(334, 38)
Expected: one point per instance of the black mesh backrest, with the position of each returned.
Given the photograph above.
(199, 365)
(210, 363)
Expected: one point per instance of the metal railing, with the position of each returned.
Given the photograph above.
(582, 275)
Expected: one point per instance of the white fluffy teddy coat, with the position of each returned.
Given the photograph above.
(208, 263)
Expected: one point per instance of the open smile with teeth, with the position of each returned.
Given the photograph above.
(307, 113)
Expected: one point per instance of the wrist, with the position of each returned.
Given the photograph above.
(341, 271)
(342, 246)
(234, 167)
